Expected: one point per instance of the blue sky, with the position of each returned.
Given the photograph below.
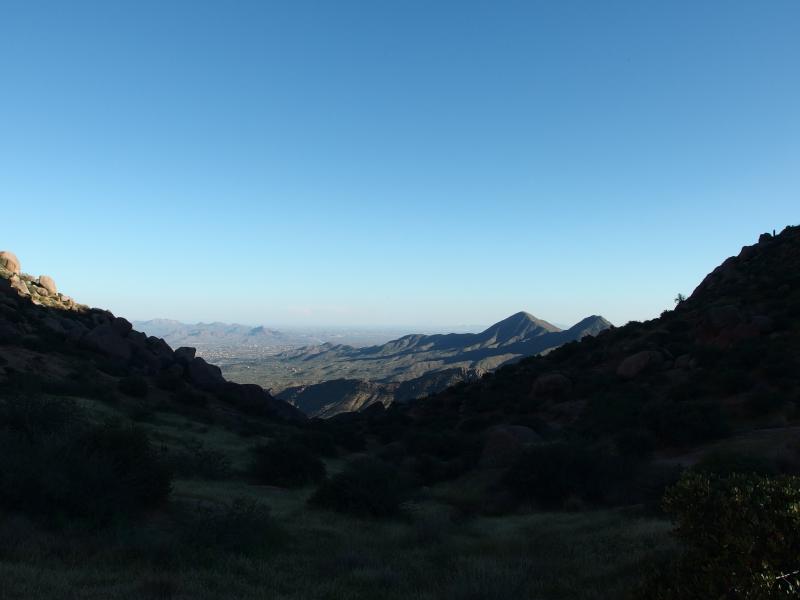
(393, 163)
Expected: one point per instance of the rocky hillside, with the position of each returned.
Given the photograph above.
(48, 339)
(612, 419)
(414, 355)
(725, 362)
(347, 395)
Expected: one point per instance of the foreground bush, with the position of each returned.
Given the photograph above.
(134, 386)
(286, 464)
(366, 487)
(239, 526)
(741, 537)
(549, 474)
(63, 465)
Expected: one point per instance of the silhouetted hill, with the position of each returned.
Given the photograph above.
(46, 337)
(346, 395)
(725, 360)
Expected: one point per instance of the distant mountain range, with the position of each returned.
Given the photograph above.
(246, 341)
(200, 335)
(342, 378)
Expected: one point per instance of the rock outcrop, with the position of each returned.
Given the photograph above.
(34, 314)
(9, 262)
(48, 284)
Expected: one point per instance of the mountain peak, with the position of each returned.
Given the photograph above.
(519, 324)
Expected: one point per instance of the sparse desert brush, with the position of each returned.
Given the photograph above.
(285, 463)
(366, 487)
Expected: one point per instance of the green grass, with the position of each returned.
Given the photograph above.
(430, 552)
(321, 555)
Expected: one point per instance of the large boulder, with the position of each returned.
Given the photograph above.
(504, 443)
(205, 376)
(552, 384)
(122, 326)
(47, 283)
(19, 285)
(185, 354)
(107, 340)
(637, 363)
(9, 261)
(721, 317)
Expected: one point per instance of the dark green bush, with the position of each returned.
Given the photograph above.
(740, 536)
(285, 464)
(34, 417)
(134, 386)
(683, 423)
(195, 460)
(366, 487)
(763, 402)
(190, 398)
(636, 443)
(613, 411)
(318, 442)
(548, 474)
(169, 381)
(724, 464)
(348, 437)
(68, 466)
(242, 525)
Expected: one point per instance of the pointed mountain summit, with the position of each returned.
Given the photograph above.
(519, 326)
(424, 363)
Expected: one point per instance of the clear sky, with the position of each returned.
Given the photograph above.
(393, 163)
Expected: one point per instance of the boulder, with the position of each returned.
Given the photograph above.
(20, 286)
(504, 443)
(160, 348)
(552, 384)
(107, 340)
(185, 354)
(204, 375)
(763, 323)
(121, 326)
(47, 283)
(9, 261)
(637, 363)
(721, 317)
(40, 291)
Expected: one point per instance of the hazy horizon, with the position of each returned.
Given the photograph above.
(394, 164)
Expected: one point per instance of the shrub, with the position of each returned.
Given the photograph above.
(550, 473)
(763, 402)
(636, 443)
(318, 442)
(682, 423)
(33, 416)
(190, 398)
(285, 464)
(727, 463)
(77, 469)
(741, 538)
(366, 487)
(198, 461)
(239, 526)
(134, 386)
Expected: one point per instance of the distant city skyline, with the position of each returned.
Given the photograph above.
(395, 164)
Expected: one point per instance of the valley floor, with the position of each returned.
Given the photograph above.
(319, 555)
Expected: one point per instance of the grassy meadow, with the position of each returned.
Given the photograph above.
(222, 536)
